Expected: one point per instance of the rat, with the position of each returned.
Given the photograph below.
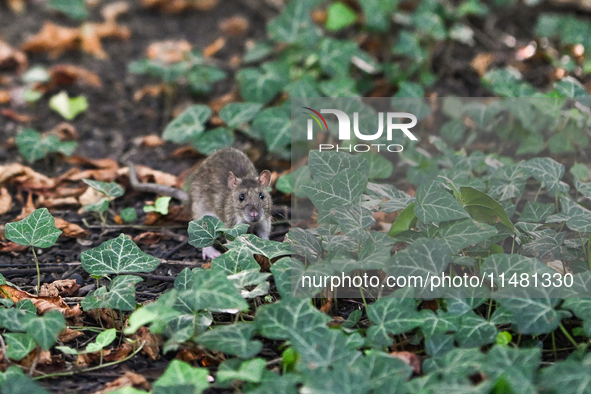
(226, 186)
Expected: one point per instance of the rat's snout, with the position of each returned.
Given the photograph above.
(254, 215)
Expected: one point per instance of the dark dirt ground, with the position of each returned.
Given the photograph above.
(114, 120)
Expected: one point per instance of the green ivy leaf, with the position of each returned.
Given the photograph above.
(570, 87)
(37, 230)
(256, 245)
(235, 114)
(483, 207)
(339, 16)
(45, 329)
(378, 13)
(180, 374)
(109, 189)
(547, 171)
(160, 205)
(212, 291)
(19, 345)
(34, 147)
(335, 55)
(128, 214)
(75, 9)
(120, 295)
(437, 205)
(68, 107)
(391, 316)
(188, 125)
(261, 85)
(213, 140)
(475, 331)
(102, 340)
(294, 25)
(202, 77)
(274, 125)
(247, 371)
(507, 82)
(326, 165)
(117, 256)
(344, 188)
(234, 339)
(463, 233)
(205, 231)
(536, 212)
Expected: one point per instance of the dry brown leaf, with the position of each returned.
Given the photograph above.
(151, 141)
(148, 238)
(71, 230)
(95, 163)
(110, 12)
(129, 379)
(152, 342)
(11, 58)
(184, 151)
(68, 334)
(24, 175)
(481, 62)
(176, 6)
(103, 175)
(16, 5)
(11, 247)
(43, 304)
(5, 201)
(108, 317)
(234, 26)
(62, 287)
(169, 51)
(150, 90)
(146, 174)
(214, 47)
(46, 202)
(64, 131)
(13, 115)
(151, 218)
(90, 196)
(28, 208)
(4, 96)
(109, 355)
(410, 359)
(220, 102)
(558, 266)
(68, 74)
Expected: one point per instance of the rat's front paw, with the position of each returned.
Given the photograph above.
(210, 252)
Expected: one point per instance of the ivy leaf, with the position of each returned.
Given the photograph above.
(547, 171)
(235, 114)
(391, 316)
(335, 55)
(45, 329)
(120, 295)
(274, 125)
(37, 230)
(536, 212)
(75, 9)
(110, 189)
(233, 261)
(294, 25)
(234, 339)
(213, 140)
(570, 87)
(205, 231)
(212, 291)
(32, 146)
(324, 166)
(102, 340)
(378, 13)
(354, 220)
(180, 374)
(256, 245)
(247, 371)
(462, 233)
(188, 125)
(68, 107)
(117, 256)
(160, 205)
(436, 205)
(475, 331)
(483, 207)
(508, 182)
(339, 16)
(19, 345)
(249, 279)
(261, 85)
(533, 310)
(345, 188)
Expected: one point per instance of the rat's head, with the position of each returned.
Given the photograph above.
(250, 197)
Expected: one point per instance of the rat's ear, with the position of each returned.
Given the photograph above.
(233, 182)
(265, 178)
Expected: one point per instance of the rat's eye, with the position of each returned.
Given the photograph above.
(261, 195)
(241, 197)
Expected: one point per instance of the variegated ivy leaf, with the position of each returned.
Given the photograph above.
(475, 331)
(344, 188)
(354, 220)
(304, 243)
(256, 245)
(38, 230)
(110, 189)
(179, 374)
(233, 339)
(423, 258)
(117, 256)
(392, 316)
(536, 212)
(508, 182)
(463, 233)
(120, 295)
(203, 232)
(19, 345)
(547, 171)
(212, 291)
(396, 200)
(234, 261)
(250, 278)
(326, 165)
(437, 205)
(188, 125)
(45, 329)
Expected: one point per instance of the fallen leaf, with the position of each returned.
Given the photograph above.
(176, 6)
(148, 238)
(71, 230)
(147, 174)
(68, 334)
(169, 51)
(64, 131)
(481, 62)
(5, 201)
(43, 304)
(129, 379)
(110, 12)
(4, 97)
(234, 26)
(410, 359)
(151, 218)
(558, 266)
(150, 90)
(152, 342)
(214, 47)
(68, 74)
(90, 196)
(11, 58)
(11, 247)
(57, 202)
(151, 141)
(108, 317)
(16, 5)
(13, 115)
(86, 359)
(62, 287)
(95, 163)
(28, 208)
(220, 102)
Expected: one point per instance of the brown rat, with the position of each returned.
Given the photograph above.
(227, 186)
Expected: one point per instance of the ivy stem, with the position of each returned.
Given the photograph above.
(38, 272)
(589, 251)
(554, 346)
(568, 336)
